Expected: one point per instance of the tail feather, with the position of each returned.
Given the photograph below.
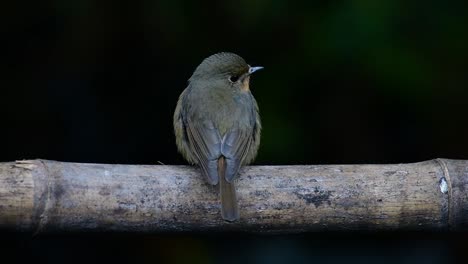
(229, 207)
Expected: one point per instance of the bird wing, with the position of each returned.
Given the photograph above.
(205, 142)
(235, 147)
(240, 146)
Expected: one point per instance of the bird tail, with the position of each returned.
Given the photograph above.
(229, 208)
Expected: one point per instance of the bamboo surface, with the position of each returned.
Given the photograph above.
(49, 196)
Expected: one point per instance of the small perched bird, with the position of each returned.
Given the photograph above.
(217, 125)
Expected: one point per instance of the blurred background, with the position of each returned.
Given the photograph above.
(355, 81)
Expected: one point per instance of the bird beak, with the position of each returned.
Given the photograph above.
(254, 69)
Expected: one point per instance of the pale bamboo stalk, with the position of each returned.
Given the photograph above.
(44, 196)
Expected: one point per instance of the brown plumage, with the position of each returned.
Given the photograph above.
(217, 125)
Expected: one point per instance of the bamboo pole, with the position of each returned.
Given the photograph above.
(49, 196)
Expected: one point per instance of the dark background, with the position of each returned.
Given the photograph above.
(356, 81)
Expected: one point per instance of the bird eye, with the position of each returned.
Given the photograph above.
(234, 78)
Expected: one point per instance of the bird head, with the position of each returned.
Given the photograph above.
(225, 67)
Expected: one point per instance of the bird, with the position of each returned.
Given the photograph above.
(217, 124)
